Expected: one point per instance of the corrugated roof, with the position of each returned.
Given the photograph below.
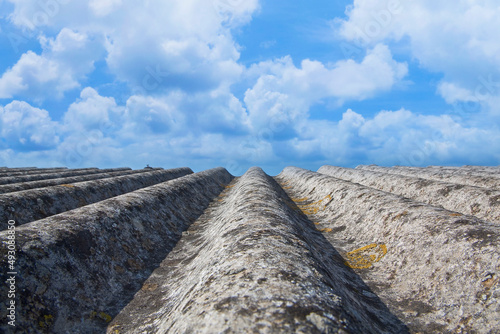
(365, 250)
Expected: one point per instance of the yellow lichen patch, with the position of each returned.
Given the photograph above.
(115, 329)
(229, 187)
(101, 315)
(300, 199)
(104, 316)
(456, 214)
(329, 198)
(364, 257)
(325, 230)
(46, 322)
(315, 207)
(310, 211)
(67, 185)
(317, 223)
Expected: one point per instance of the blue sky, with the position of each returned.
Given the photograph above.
(240, 83)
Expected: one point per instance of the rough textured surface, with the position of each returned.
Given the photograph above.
(469, 170)
(310, 253)
(436, 270)
(63, 173)
(8, 169)
(30, 205)
(8, 188)
(6, 173)
(254, 264)
(480, 202)
(457, 176)
(79, 268)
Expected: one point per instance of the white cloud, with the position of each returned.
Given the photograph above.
(104, 7)
(148, 132)
(31, 77)
(146, 116)
(24, 127)
(453, 93)
(345, 79)
(235, 13)
(180, 59)
(151, 128)
(193, 57)
(218, 112)
(64, 61)
(179, 114)
(397, 137)
(154, 45)
(284, 93)
(92, 112)
(458, 40)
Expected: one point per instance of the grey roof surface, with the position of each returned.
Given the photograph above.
(365, 250)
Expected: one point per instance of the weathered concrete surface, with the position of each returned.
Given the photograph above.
(253, 264)
(46, 176)
(480, 202)
(435, 174)
(78, 269)
(437, 270)
(8, 188)
(30, 205)
(7, 173)
(469, 170)
(254, 260)
(29, 168)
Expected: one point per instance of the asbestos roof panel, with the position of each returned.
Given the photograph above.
(365, 250)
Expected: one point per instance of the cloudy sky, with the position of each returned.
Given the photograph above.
(239, 83)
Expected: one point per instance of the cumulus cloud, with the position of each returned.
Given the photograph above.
(217, 112)
(64, 61)
(459, 41)
(452, 93)
(157, 45)
(176, 125)
(397, 137)
(181, 55)
(284, 93)
(24, 127)
(179, 61)
(147, 115)
(92, 112)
